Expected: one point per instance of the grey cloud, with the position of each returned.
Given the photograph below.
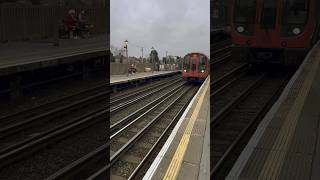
(176, 26)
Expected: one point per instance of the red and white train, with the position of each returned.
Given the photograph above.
(195, 67)
(274, 31)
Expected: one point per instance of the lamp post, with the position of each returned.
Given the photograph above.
(141, 54)
(152, 58)
(57, 19)
(126, 47)
(166, 60)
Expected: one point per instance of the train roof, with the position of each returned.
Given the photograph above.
(199, 53)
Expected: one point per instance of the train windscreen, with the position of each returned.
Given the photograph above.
(295, 11)
(245, 11)
(186, 63)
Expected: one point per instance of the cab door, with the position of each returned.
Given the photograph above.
(194, 66)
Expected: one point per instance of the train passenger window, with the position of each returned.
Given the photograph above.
(295, 11)
(245, 11)
(202, 63)
(186, 63)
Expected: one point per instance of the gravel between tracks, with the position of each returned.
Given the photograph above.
(223, 98)
(45, 125)
(54, 157)
(220, 70)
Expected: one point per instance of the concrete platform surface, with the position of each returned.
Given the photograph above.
(119, 79)
(286, 144)
(185, 155)
(20, 54)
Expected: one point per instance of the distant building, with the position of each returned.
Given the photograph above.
(172, 59)
(134, 60)
(120, 59)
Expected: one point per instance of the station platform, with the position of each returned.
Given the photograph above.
(118, 80)
(286, 144)
(23, 56)
(185, 155)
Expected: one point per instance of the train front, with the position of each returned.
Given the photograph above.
(272, 31)
(195, 67)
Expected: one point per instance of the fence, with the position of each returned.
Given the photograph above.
(19, 22)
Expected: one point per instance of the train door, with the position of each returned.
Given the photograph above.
(267, 28)
(194, 66)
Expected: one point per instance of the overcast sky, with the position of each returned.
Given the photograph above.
(176, 26)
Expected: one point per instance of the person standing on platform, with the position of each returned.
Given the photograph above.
(71, 24)
(84, 25)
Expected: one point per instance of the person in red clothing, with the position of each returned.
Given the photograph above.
(71, 23)
(132, 69)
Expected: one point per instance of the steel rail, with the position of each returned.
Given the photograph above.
(99, 152)
(217, 117)
(170, 126)
(136, 99)
(141, 110)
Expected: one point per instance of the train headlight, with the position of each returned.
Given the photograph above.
(240, 29)
(296, 31)
(202, 71)
(185, 70)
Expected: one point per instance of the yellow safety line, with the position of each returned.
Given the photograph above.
(176, 161)
(274, 162)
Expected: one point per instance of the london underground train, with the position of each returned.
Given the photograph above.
(274, 31)
(195, 67)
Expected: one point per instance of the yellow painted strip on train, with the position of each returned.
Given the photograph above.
(274, 162)
(177, 158)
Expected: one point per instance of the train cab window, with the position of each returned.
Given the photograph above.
(202, 63)
(245, 11)
(295, 11)
(186, 63)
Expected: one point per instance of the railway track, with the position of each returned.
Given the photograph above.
(126, 101)
(221, 52)
(30, 126)
(138, 126)
(227, 73)
(126, 163)
(237, 110)
(96, 118)
(137, 111)
(9, 119)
